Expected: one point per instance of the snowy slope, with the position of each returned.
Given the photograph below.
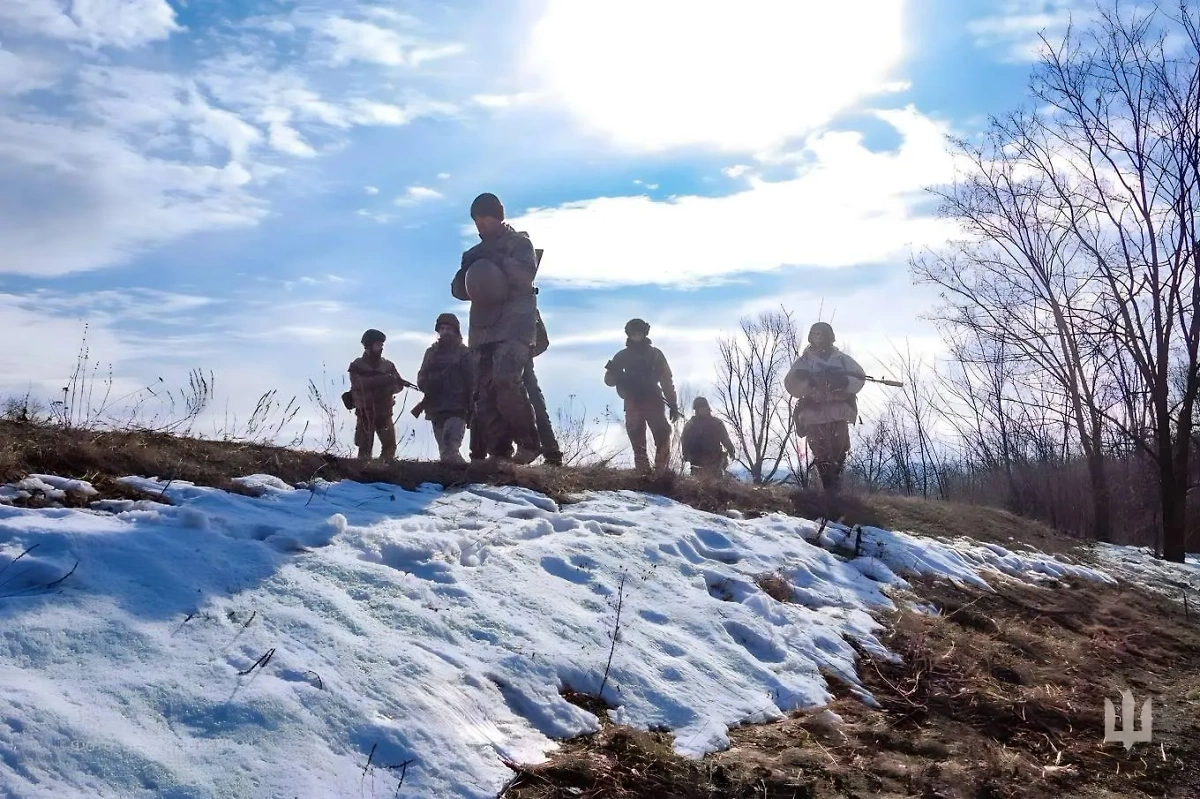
(427, 628)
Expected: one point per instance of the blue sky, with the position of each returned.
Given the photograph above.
(244, 187)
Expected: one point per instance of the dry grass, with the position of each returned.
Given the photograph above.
(1001, 697)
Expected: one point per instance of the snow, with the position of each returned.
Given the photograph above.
(1139, 565)
(308, 641)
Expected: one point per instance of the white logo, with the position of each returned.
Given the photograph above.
(1128, 734)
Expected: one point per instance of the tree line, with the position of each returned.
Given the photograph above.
(1068, 306)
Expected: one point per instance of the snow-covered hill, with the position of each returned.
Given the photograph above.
(331, 640)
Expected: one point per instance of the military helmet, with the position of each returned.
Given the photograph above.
(372, 336)
(634, 326)
(449, 320)
(822, 326)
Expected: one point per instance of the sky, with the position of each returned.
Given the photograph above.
(244, 187)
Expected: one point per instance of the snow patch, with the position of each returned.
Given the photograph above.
(233, 645)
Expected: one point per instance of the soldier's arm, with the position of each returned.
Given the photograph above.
(667, 381)
(612, 372)
(424, 375)
(798, 381)
(520, 266)
(854, 376)
(458, 286)
(725, 440)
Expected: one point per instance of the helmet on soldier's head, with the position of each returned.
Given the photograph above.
(821, 327)
(699, 402)
(449, 320)
(372, 336)
(486, 283)
(637, 326)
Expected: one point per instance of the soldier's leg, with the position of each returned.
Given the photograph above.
(450, 439)
(661, 428)
(635, 426)
(487, 417)
(820, 443)
(545, 430)
(511, 399)
(386, 430)
(439, 436)
(839, 445)
(364, 433)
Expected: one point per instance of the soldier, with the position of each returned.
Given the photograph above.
(374, 383)
(447, 378)
(705, 441)
(826, 381)
(643, 379)
(502, 329)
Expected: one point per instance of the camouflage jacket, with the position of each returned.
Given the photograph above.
(447, 378)
(374, 382)
(705, 440)
(822, 402)
(640, 373)
(515, 317)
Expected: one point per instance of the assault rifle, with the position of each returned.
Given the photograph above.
(348, 396)
(881, 380)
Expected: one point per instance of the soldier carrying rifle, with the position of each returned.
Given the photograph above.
(826, 381)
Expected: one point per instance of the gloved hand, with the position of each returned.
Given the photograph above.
(675, 415)
(837, 381)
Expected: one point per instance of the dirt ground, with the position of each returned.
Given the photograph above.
(1000, 697)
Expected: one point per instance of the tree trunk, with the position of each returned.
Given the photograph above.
(1101, 501)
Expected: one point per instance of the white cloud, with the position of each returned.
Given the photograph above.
(675, 73)
(1014, 29)
(370, 189)
(497, 102)
(133, 158)
(846, 205)
(357, 40)
(443, 175)
(418, 194)
(99, 23)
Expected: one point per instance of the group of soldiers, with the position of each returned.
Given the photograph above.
(489, 388)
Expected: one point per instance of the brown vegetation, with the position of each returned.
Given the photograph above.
(1001, 696)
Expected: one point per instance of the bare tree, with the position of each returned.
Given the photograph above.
(750, 394)
(1125, 103)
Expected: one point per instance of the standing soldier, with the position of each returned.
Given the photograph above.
(826, 381)
(374, 383)
(643, 379)
(705, 441)
(496, 276)
(447, 378)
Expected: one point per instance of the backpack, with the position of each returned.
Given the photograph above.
(640, 378)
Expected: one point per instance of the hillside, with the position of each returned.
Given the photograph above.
(197, 619)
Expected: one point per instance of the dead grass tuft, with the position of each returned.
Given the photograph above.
(776, 586)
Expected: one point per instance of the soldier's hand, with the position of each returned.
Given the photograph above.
(676, 415)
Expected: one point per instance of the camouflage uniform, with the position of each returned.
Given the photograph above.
(826, 385)
(643, 379)
(374, 382)
(705, 443)
(500, 338)
(447, 378)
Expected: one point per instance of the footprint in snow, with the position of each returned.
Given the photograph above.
(560, 568)
(754, 642)
(654, 617)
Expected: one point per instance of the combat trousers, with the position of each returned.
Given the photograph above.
(502, 408)
(652, 413)
(372, 422)
(829, 444)
(448, 433)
